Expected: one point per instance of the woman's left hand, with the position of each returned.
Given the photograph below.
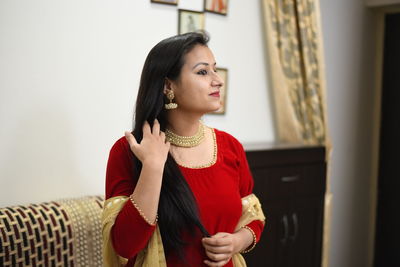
(220, 248)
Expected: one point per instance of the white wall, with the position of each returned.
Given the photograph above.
(69, 73)
(348, 31)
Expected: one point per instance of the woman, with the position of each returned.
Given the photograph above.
(175, 187)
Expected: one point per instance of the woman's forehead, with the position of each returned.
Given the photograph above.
(199, 53)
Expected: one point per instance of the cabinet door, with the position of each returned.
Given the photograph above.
(271, 251)
(305, 238)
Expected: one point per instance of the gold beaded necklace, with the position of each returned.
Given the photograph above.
(206, 165)
(185, 141)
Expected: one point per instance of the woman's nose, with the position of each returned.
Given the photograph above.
(217, 81)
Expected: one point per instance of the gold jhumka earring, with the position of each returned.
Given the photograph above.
(171, 105)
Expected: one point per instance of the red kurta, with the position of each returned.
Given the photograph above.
(218, 190)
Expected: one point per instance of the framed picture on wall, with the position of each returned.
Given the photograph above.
(190, 21)
(194, 5)
(216, 6)
(223, 73)
(168, 2)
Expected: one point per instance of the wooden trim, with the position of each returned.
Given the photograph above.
(280, 156)
(164, 3)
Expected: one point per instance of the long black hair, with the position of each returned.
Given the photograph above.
(177, 208)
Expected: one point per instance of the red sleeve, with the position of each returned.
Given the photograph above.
(246, 186)
(130, 232)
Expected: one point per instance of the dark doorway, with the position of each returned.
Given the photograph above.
(387, 243)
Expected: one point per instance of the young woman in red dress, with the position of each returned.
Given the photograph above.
(175, 177)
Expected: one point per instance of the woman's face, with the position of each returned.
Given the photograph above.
(197, 88)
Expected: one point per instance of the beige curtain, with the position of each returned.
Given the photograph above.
(294, 43)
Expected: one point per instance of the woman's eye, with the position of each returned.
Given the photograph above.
(202, 72)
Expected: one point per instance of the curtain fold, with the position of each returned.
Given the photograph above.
(297, 68)
(295, 53)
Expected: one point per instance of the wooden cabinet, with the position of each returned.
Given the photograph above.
(290, 183)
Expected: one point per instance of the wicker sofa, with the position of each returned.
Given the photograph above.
(58, 233)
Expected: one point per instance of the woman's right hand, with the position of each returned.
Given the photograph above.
(153, 149)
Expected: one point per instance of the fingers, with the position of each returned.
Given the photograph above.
(221, 234)
(216, 245)
(162, 135)
(216, 241)
(216, 257)
(168, 145)
(146, 128)
(131, 139)
(156, 127)
(219, 249)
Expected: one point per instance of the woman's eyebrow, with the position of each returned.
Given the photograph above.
(203, 63)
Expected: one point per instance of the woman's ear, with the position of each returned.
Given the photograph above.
(167, 86)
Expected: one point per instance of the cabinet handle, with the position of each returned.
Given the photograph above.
(285, 223)
(289, 179)
(296, 227)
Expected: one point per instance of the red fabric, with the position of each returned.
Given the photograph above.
(218, 191)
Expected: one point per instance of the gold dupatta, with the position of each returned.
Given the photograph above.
(153, 254)
(112, 207)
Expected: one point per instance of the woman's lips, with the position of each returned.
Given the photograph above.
(215, 94)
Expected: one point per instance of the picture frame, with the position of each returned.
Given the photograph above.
(194, 5)
(223, 73)
(216, 6)
(166, 2)
(190, 21)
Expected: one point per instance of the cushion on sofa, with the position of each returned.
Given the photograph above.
(58, 233)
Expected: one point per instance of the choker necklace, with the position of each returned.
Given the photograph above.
(185, 141)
